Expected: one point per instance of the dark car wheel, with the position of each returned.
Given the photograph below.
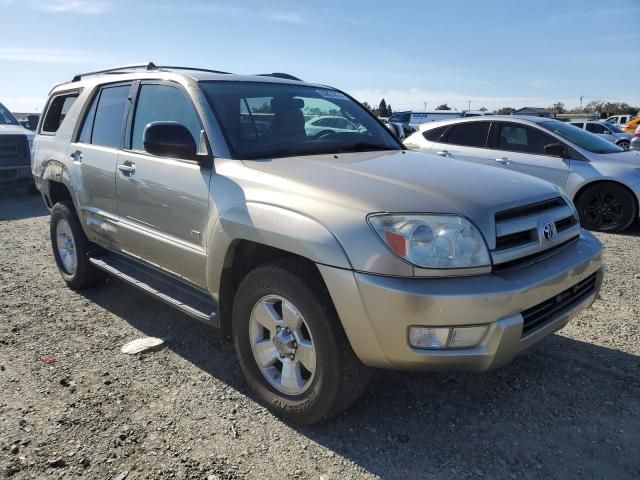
(624, 144)
(606, 207)
(291, 345)
(71, 248)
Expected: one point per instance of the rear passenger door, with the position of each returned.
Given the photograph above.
(465, 141)
(520, 148)
(95, 152)
(163, 202)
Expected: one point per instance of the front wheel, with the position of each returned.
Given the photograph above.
(291, 345)
(606, 207)
(624, 144)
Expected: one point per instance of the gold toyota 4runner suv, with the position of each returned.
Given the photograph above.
(287, 215)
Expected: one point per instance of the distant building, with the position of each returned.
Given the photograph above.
(534, 112)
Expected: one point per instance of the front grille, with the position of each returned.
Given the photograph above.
(540, 315)
(14, 150)
(520, 235)
(534, 257)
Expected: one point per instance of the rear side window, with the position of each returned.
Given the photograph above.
(434, 134)
(579, 125)
(472, 134)
(109, 116)
(57, 111)
(162, 103)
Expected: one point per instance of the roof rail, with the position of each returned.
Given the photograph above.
(150, 66)
(286, 76)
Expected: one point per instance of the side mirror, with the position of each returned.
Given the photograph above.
(396, 129)
(556, 150)
(169, 139)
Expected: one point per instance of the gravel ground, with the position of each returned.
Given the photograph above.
(570, 408)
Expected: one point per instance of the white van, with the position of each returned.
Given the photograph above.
(417, 118)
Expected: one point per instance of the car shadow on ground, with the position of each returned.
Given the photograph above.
(18, 205)
(564, 409)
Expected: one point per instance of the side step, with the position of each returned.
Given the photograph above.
(174, 292)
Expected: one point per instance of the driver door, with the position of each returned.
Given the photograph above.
(163, 202)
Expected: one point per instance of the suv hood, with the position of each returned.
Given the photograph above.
(407, 181)
(15, 130)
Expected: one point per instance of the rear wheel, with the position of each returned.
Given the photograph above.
(291, 345)
(71, 248)
(606, 207)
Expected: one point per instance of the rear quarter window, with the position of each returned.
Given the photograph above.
(434, 134)
(57, 111)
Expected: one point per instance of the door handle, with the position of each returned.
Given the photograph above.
(127, 168)
(443, 153)
(503, 161)
(76, 156)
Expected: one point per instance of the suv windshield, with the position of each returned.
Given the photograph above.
(279, 120)
(6, 117)
(582, 138)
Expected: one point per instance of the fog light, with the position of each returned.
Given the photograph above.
(429, 337)
(439, 338)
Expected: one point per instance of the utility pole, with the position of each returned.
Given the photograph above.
(425, 106)
(469, 104)
(581, 102)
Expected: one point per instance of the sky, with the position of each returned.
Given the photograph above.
(493, 53)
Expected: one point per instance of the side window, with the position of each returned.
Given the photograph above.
(471, 134)
(434, 134)
(579, 125)
(596, 128)
(87, 126)
(107, 124)
(162, 103)
(520, 138)
(57, 111)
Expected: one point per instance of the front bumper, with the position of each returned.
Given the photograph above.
(376, 311)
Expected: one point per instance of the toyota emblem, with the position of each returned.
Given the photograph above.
(547, 231)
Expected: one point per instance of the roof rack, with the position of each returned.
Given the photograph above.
(150, 66)
(286, 76)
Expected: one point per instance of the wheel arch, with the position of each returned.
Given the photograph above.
(585, 186)
(55, 184)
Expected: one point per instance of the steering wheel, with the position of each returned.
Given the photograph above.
(323, 134)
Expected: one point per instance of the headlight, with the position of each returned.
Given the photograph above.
(433, 241)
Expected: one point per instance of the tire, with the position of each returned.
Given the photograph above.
(624, 144)
(32, 190)
(71, 247)
(338, 379)
(606, 207)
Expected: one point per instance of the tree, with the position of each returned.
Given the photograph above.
(558, 107)
(444, 106)
(367, 106)
(505, 111)
(389, 110)
(484, 109)
(382, 109)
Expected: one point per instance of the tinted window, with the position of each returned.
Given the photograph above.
(6, 117)
(579, 125)
(596, 128)
(107, 126)
(472, 134)
(57, 111)
(162, 103)
(434, 134)
(87, 126)
(520, 138)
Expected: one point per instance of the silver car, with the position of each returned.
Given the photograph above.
(320, 255)
(608, 131)
(602, 179)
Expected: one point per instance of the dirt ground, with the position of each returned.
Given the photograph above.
(570, 408)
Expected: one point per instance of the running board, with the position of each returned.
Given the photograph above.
(172, 291)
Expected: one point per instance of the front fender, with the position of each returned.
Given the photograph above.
(275, 227)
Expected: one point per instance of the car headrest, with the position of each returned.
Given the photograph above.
(281, 103)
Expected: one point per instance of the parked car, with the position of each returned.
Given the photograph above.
(315, 253)
(631, 125)
(15, 153)
(600, 177)
(635, 142)
(608, 131)
(411, 120)
(329, 124)
(475, 113)
(619, 119)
